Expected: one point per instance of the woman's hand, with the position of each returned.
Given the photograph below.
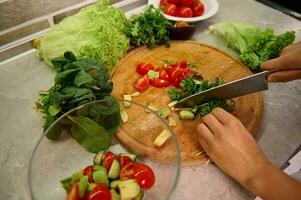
(231, 146)
(289, 64)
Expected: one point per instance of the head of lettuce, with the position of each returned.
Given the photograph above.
(94, 32)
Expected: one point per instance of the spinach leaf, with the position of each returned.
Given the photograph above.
(89, 134)
(83, 78)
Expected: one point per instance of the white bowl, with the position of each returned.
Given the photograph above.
(211, 7)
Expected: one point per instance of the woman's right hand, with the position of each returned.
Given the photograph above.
(288, 64)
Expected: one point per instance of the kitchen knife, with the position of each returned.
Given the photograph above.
(240, 87)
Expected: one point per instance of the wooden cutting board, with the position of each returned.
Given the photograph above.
(211, 63)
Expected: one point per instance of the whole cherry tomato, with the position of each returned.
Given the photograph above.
(163, 2)
(185, 12)
(171, 9)
(198, 9)
(187, 3)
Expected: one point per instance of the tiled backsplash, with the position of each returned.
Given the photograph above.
(19, 18)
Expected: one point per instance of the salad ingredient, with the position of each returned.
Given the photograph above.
(115, 195)
(96, 31)
(190, 86)
(162, 138)
(74, 193)
(114, 184)
(142, 83)
(198, 9)
(143, 68)
(83, 186)
(88, 171)
(124, 116)
(173, 1)
(124, 160)
(171, 9)
(185, 12)
(153, 74)
(159, 83)
(132, 156)
(172, 122)
(129, 189)
(135, 94)
(149, 28)
(127, 98)
(142, 173)
(98, 158)
(186, 114)
(114, 170)
(172, 104)
(100, 192)
(100, 176)
(164, 112)
(254, 44)
(108, 159)
(187, 3)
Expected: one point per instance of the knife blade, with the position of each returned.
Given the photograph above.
(240, 87)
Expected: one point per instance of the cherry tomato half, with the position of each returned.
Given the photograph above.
(142, 173)
(185, 12)
(159, 83)
(88, 171)
(143, 68)
(142, 83)
(124, 160)
(171, 9)
(198, 10)
(108, 159)
(100, 192)
(162, 73)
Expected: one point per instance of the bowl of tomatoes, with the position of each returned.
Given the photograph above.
(107, 150)
(186, 10)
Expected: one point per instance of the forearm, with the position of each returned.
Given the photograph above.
(272, 184)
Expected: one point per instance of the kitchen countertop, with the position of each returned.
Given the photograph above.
(21, 125)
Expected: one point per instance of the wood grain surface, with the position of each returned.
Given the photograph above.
(211, 63)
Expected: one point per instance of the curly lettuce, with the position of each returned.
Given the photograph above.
(94, 32)
(254, 44)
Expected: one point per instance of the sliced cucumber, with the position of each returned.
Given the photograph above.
(135, 94)
(124, 116)
(83, 186)
(140, 196)
(171, 122)
(76, 176)
(162, 137)
(67, 183)
(114, 184)
(100, 176)
(164, 112)
(153, 74)
(130, 155)
(129, 189)
(172, 104)
(186, 114)
(194, 110)
(152, 108)
(98, 158)
(114, 170)
(91, 186)
(127, 98)
(114, 195)
(100, 167)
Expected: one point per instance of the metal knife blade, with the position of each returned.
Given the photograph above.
(240, 87)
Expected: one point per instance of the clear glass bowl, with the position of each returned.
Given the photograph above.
(53, 161)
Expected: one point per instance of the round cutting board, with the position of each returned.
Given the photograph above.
(211, 63)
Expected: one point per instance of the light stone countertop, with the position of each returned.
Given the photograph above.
(21, 125)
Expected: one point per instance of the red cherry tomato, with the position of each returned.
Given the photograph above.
(183, 64)
(163, 2)
(177, 73)
(108, 159)
(88, 171)
(171, 9)
(185, 12)
(189, 72)
(100, 192)
(198, 10)
(142, 173)
(142, 83)
(176, 82)
(124, 160)
(159, 83)
(143, 68)
(176, 2)
(74, 193)
(187, 3)
(162, 73)
(174, 65)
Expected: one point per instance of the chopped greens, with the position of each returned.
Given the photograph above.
(149, 28)
(190, 86)
(254, 44)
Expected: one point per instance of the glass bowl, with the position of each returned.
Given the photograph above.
(53, 161)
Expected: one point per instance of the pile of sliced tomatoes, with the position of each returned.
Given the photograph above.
(183, 8)
(172, 75)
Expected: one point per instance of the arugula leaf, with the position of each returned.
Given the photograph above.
(89, 134)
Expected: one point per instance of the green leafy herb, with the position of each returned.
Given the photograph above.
(254, 44)
(191, 86)
(149, 28)
(89, 134)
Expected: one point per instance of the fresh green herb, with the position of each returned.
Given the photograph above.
(190, 86)
(149, 28)
(254, 44)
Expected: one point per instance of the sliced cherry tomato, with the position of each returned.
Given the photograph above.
(171, 9)
(142, 83)
(198, 9)
(108, 159)
(142, 173)
(176, 2)
(183, 64)
(189, 72)
(177, 73)
(159, 83)
(100, 192)
(185, 12)
(88, 171)
(162, 73)
(143, 68)
(124, 160)
(187, 3)
(74, 193)
(174, 65)
(176, 82)
(163, 2)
